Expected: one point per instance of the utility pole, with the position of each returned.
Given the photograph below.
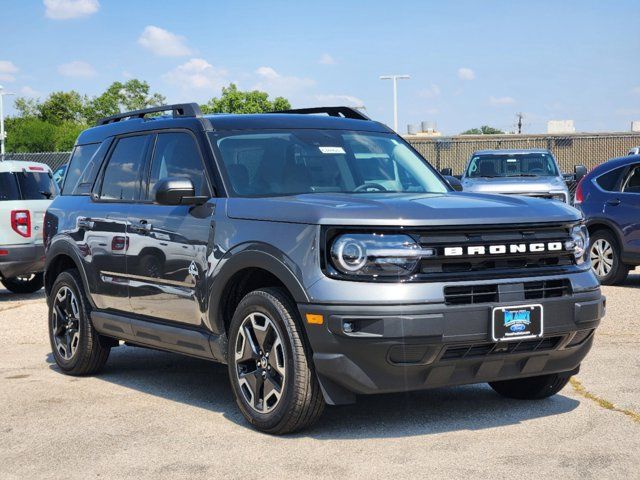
(3, 135)
(520, 117)
(395, 79)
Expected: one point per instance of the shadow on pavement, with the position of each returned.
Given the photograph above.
(206, 385)
(7, 296)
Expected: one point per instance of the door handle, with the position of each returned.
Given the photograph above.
(141, 226)
(614, 202)
(86, 223)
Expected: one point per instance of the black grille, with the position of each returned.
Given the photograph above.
(579, 338)
(494, 264)
(491, 293)
(487, 349)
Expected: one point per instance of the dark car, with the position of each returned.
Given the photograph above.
(609, 197)
(317, 254)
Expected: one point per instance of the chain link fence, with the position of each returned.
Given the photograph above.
(575, 149)
(53, 159)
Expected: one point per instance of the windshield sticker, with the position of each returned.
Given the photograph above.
(332, 150)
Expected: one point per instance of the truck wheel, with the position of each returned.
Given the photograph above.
(270, 368)
(606, 263)
(532, 388)
(75, 344)
(24, 284)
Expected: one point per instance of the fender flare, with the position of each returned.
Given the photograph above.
(608, 224)
(251, 256)
(59, 247)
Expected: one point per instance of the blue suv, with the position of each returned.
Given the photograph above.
(609, 197)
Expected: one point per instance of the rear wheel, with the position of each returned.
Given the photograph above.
(24, 283)
(270, 369)
(606, 262)
(77, 347)
(532, 388)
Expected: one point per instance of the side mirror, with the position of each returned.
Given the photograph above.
(446, 172)
(454, 183)
(176, 191)
(579, 172)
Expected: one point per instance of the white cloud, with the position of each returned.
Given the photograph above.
(27, 91)
(326, 59)
(77, 69)
(430, 92)
(339, 100)
(7, 71)
(197, 74)
(276, 84)
(163, 43)
(65, 9)
(496, 101)
(465, 73)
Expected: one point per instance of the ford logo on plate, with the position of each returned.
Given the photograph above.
(517, 327)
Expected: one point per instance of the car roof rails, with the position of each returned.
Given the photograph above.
(344, 112)
(189, 110)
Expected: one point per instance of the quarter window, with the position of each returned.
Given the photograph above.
(609, 181)
(123, 173)
(81, 171)
(177, 155)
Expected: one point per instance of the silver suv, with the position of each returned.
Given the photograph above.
(534, 173)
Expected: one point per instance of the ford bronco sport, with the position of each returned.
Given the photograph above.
(26, 190)
(316, 254)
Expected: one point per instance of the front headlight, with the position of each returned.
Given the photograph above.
(376, 254)
(579, 243)
(561, 197)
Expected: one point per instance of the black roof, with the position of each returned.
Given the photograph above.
(137, 122)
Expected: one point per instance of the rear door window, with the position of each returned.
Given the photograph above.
(632, 182)
(122, 177)
(36, 185)
(8, 187)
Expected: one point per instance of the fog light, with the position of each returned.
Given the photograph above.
(347, 327)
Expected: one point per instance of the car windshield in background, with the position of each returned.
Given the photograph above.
(515, 165)
(320, 161)
(36, 185)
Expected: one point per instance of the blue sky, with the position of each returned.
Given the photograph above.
(471, 62)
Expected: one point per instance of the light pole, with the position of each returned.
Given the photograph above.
(3, 135)
(395, 79)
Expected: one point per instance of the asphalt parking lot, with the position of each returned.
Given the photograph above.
(158, 415)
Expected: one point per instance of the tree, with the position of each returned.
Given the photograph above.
(131, 95)
(62, 107)
(233, 100)
(30, 134)
(483, 130)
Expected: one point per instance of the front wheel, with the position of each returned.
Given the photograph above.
(272, 377)
(24, 284)
(532, 388)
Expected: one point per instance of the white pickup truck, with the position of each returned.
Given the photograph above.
(26, 190)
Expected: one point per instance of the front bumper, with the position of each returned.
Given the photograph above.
(398, 348)
(21, 260)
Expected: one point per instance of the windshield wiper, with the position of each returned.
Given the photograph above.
(47, 195)
(523, 175)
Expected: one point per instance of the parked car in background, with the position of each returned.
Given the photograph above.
(58, 175)
(609, 197)
(528, 172)
(26, 190)
(634, 151)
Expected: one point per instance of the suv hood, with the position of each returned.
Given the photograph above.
(404, 209)
(514, 184)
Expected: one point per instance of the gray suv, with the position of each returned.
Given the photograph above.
(530, 172)
(314, 252)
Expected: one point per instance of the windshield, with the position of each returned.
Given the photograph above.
(512, 165)
(265, 163)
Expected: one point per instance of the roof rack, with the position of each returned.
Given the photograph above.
(191, 110)
(345, 112)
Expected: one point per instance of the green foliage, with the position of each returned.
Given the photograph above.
(55, 123)
(483, 130)
(233, 100)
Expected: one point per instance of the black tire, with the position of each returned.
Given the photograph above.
(301, 402)
(532, 388)
(26, 284)
(91, 352)
(618, 271)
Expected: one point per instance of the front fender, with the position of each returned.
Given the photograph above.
(252, 255)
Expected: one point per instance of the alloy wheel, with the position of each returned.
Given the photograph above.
(66, 323)
(601, 257)
(260, 362)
